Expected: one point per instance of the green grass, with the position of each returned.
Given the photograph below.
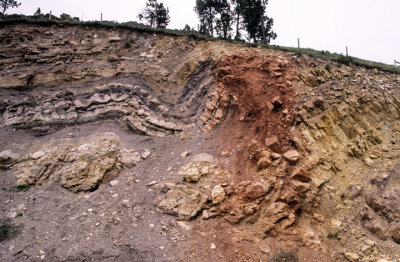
(284, 256)
(19, 188)
(340, 59)
(333, 235)
(8, 230)
(325, 55)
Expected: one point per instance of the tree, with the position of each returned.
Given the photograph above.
(187, 28)
(156, 14)
(5, 4)
(207, 10)
(38, 12)
(223, 24)
(257, 23)
(237, 13)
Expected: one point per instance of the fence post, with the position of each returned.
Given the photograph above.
(347, 51)
(298, 42)
(50, 15)
(101, 17)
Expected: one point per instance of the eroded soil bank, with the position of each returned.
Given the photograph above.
(174, 149)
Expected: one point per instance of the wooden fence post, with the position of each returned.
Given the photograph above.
(347, 51)
(298, 42)
(50, 16)
(101, 17)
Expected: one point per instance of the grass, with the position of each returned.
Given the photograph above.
(144, 29)
(284, 256)
(19, 188)
(8, 230)
(333, 235)
(340, 59)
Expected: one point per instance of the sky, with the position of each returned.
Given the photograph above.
(370, 28)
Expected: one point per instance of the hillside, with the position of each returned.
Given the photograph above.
(124, 145)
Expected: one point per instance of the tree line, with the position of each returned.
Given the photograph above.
(226, 18)
(244, 15)
(219, 17)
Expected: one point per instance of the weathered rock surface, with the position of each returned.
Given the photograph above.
(8, 159)
(182, 201)
(217, 194)
(77, 167)
(337, 125)
(194, 171)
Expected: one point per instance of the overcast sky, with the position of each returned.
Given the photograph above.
(370, 28)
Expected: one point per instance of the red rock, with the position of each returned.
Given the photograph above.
(263, 163)
(270, 106)
(273, 143)
(256, 190)
(300, 187)
(300, 174)
(292, 156)
(276, 101)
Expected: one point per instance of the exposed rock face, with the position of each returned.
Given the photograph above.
(77, 167)
(273, 143)
(125, 102)
(382, 213)
(217, 194)
(292, 156)
(194, 171)
(300, 151)
(182, 201)
(8, 159)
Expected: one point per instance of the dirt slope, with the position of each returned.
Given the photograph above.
(124, 146)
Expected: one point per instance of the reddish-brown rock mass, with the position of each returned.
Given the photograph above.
(176, 149)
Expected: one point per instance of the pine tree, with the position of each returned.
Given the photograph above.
(223, 24)
(156, 14)
(5, 4)
(207, 10)
(38, 12)
(257, 23)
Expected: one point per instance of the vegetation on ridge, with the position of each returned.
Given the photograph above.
(325, 55)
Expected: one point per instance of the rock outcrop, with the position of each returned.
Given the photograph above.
(77, 167)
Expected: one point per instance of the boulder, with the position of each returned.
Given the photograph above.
(256, 190)
(217, 194)
(86, 176)
(273, 144)
(277, 102)
(353, 257)
(8, 159)
(311, 239)
(300, 174)
(182, 201)
(129, 157)
(292, 156)
(270, 106)
(77, 167)
(194, 171)
(263, 163)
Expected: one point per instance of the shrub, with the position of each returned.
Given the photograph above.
(328, 68)
(8, 230)
(19, 188)
(333, 235)
(285, 256)
(129, 43)
(346, 60)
